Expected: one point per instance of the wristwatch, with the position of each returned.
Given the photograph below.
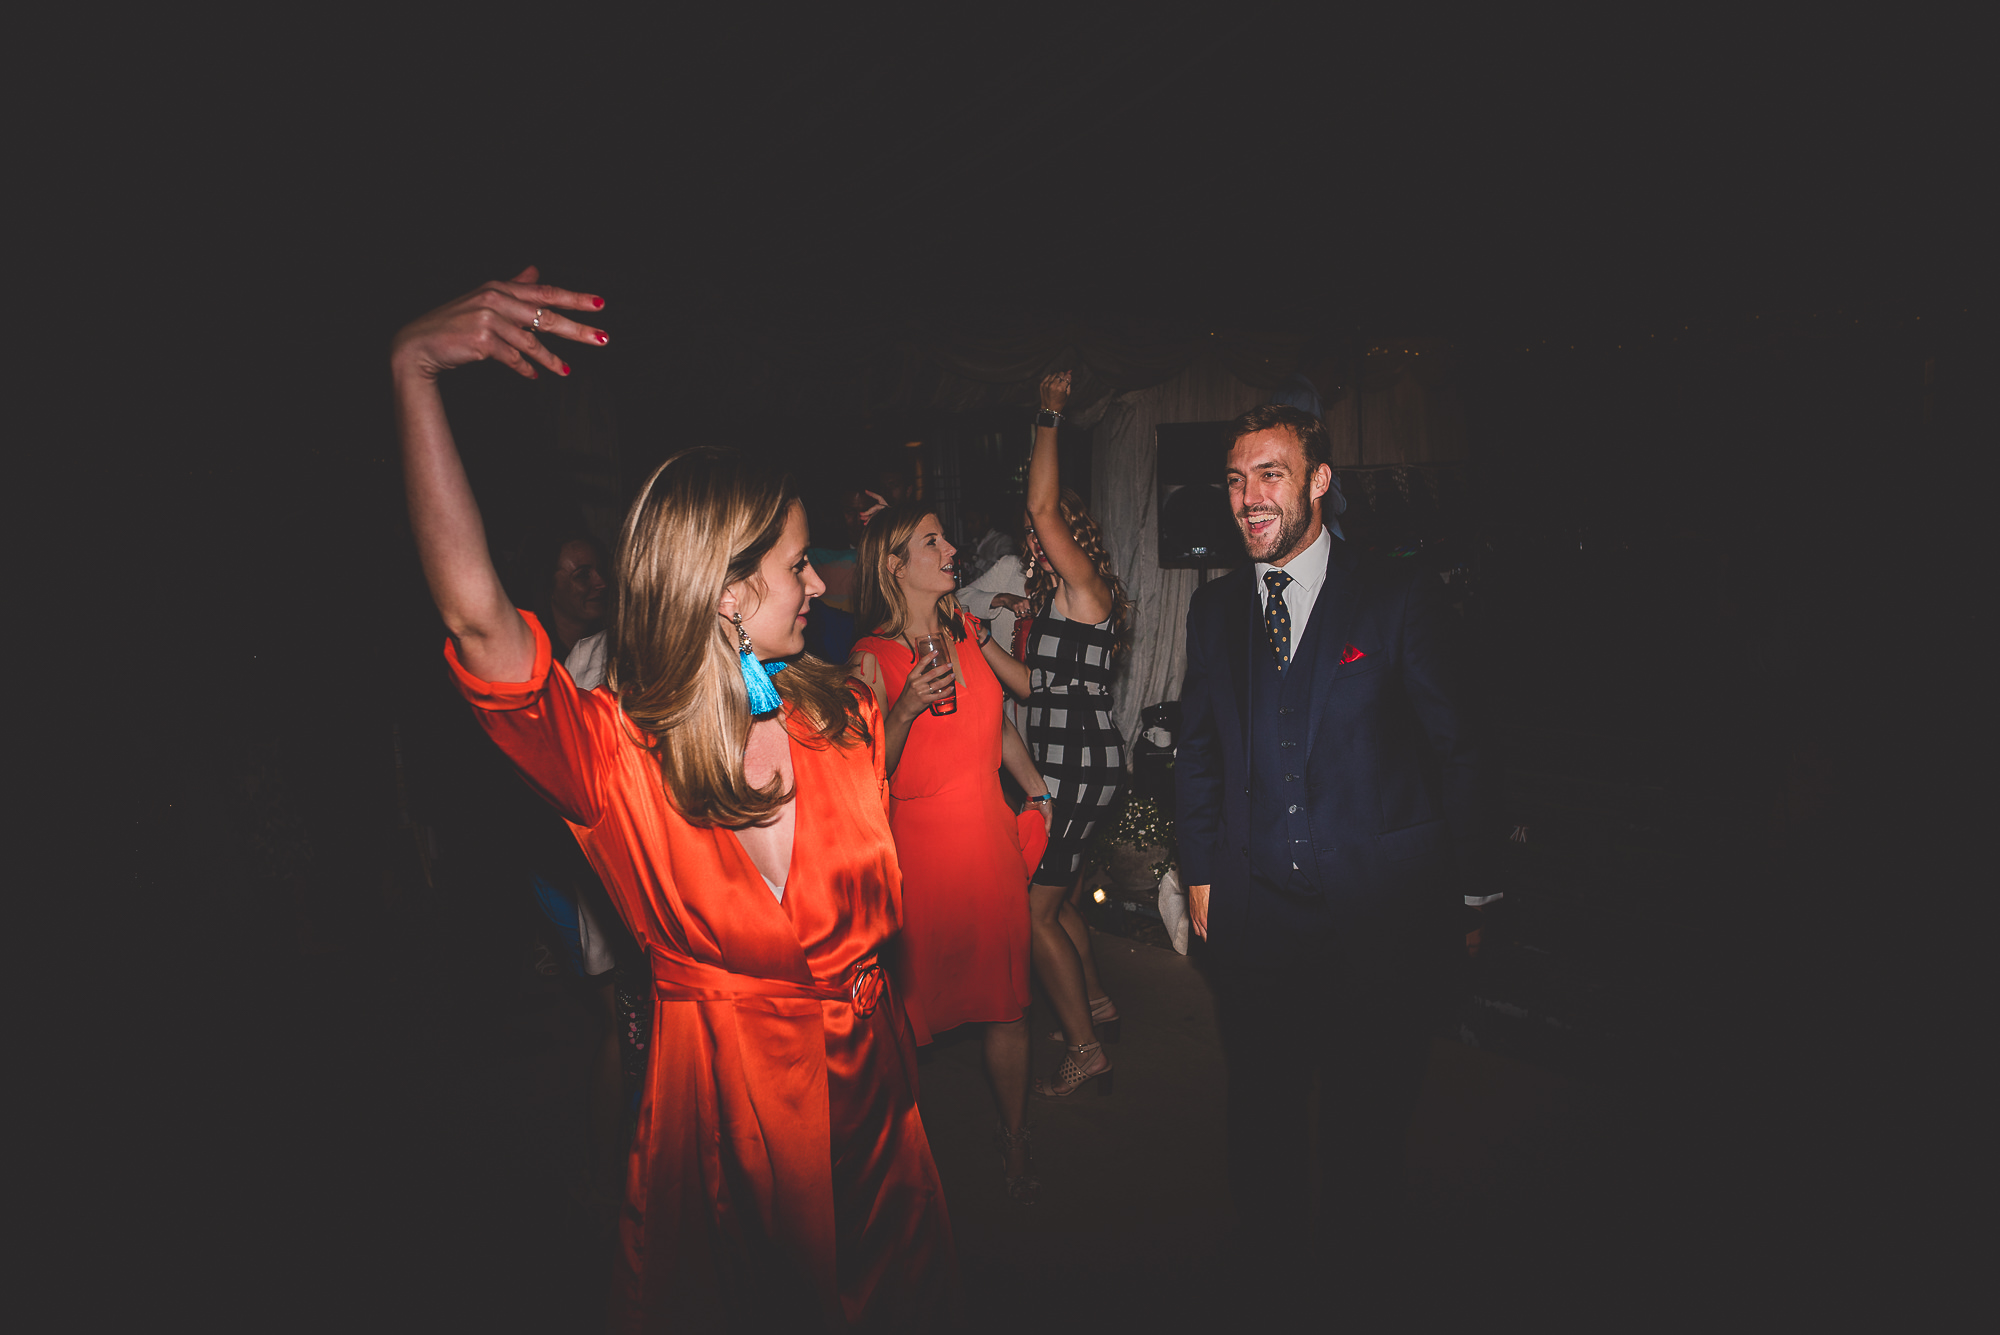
(1045, 797)
(1048, 417)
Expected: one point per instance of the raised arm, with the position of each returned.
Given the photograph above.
(1089, 597)
(497, 321)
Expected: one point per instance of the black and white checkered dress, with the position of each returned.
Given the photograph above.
(1075, 744)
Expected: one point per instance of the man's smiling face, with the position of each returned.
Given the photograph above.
(1275, 495)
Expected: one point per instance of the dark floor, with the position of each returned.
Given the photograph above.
(1698, 1088)
(420, 1168)
(446, 1192)
(1132, 1231)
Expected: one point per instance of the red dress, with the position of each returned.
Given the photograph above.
(780, 1175)
(963, 955)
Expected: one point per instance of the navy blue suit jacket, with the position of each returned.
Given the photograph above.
(1392, 778)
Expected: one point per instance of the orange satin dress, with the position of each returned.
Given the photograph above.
(963, 955)
(780, 1177)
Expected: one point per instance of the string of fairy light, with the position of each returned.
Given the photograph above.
(1142, 825)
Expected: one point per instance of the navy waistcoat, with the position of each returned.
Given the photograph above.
(1280, 705)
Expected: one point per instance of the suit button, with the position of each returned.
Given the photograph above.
(1293, 809)
(1290, 777)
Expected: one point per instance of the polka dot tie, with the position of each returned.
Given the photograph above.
(1277, 618)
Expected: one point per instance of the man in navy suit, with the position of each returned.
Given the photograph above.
(1329, 802)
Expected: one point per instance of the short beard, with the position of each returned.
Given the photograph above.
(1291, 528)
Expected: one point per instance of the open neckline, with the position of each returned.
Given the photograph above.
(778, 889)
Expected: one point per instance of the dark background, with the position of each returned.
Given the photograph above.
(1723, 324)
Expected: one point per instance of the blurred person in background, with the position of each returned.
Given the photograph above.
(985, 545)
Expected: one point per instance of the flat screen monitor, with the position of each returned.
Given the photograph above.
(1197, 532)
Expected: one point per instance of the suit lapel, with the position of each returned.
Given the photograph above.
(1333, 617)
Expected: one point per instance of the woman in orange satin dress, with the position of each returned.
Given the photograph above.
(963, 956)
(780, 1178)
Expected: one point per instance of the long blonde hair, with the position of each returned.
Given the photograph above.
(1042, 583)
(704, 521)
(879, 605)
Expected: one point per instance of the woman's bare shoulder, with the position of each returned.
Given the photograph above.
(866, 668)
(1075, 605)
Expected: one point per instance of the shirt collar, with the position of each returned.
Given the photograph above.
(1307, 569)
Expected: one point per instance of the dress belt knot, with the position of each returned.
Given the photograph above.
(677, 978)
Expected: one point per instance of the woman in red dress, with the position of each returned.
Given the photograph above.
(780, 1177)
(963, 957)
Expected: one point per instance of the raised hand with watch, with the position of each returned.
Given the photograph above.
(1055, 390)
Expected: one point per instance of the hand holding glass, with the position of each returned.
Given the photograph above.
(931, 653)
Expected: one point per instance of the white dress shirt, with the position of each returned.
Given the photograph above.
(1308, 572)
(987, 550)
(1004, 576)
(977, 597)
(586, 662)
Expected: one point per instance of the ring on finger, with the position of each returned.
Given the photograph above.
(536, 323)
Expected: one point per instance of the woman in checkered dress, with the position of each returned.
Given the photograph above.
(1076, 746)
(1081, 615)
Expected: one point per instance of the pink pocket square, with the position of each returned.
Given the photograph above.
(1349, 654)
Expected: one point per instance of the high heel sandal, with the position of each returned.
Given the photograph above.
(1022, 1188)
(1103, 1018)
(1070, 1076)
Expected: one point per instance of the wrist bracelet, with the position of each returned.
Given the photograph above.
(1045, 797)
(1048, 417)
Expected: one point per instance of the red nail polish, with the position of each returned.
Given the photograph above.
(597, 302)
(604, 338)
(565, 368)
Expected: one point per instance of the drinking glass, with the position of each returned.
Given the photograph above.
(930, 653)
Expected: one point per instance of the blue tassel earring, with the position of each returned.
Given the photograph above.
(756, 676)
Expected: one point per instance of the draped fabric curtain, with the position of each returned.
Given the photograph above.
(1125, 499)
(1130, 383)
(1396, 406)
(1408, 410)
